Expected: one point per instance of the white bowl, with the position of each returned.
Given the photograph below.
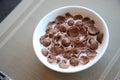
(40, 30)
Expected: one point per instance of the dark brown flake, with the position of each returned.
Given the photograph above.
(65, 42)
(93, 30)
(56, 49)
(60, 19)
(44, 51)
(62, 28)
(45, 41)
(77, 17)
(73, 31)
(100, 37)
(68, 15)
(51, 59)
(84, 60)
(74, 61)
(63, 65)
(67, 55)
(91, 53)
(70, 22)
(93, 44)
(79, 23)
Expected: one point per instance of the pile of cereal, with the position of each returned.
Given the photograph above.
(71, 40)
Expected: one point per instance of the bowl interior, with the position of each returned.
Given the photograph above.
(85, 12)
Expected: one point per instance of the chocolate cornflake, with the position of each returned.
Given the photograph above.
(44, 51)
(93, 44)
(79, 23)
(68, 15)
(93, 30)
(73, 31)
(45, 41)
(56, 38)
(91, 53)
(75, 50)
(84, 60)
(63, 64)
(83, 43)
(66, 42)
(58, 59)
(70, 40)
(70, 22)
(62, 28)
(56, 49)
(86, 19)
(51, 59)
(92, 22)
(60, 19)
(51, 34)
(83, 30)
(100, 37)
(49, 27)
(67, 55)
(87, 22)
(77, 17)
(80, 43)
(74, 61)
(75, 55)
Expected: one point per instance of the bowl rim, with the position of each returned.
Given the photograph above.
(64, 7)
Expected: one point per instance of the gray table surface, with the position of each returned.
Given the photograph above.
(17, 57)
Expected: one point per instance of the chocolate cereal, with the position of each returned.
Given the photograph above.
(71, 40)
